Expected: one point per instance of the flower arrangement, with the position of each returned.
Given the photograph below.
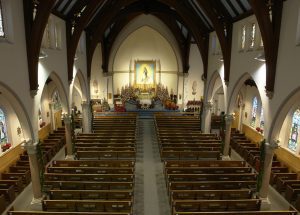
(258, 129)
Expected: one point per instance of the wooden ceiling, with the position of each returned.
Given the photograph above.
(190, 21)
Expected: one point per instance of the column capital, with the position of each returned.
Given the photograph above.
(270, 147)
(208, 105)
(67, 118)
(30, 147)
(229, 118)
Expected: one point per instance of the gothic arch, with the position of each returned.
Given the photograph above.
(155, 24)
(61, 90)
(290, 103)
(19, 109)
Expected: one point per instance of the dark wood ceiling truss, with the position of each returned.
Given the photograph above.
(268, 15)
(34, 32)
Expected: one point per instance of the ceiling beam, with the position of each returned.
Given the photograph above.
(35, 27)
(241, 6)
(270, 32)
(107, 16)
(224, 33)
(73, 38)
(189, 19)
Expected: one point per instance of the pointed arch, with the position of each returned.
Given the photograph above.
(61, 90)
(19, 109)
(291, 103)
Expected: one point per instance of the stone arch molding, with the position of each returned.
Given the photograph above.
(82, 88)
(19, 109)
(211, 89)
(236, 89)
(290, 103)
(139, 22)
(61, 90)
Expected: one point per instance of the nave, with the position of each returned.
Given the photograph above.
(161, 185)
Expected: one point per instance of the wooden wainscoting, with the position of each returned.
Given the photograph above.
(10, 157)
(291, 160)
(252, 134)
(44, 132)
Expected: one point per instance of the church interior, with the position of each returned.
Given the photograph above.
(155, 107)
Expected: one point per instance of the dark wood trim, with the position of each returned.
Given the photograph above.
(224, 39)
(270, 32)
(73, 39)
(34, 35)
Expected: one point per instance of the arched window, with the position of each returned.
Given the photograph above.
(243, 37)
(262, 120)
(253, 112)
(3, 128)
(252, 35)
(295, 129)
(2, 32)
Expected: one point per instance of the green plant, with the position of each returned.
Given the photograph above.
(41, 163)
(262, 156)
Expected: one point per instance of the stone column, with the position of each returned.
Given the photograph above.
(86, 121)
(31, 149)
(228, 121)
(263, 192)
(207, 116)
(68, 131)
(52, 120)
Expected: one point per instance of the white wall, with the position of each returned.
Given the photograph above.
(13, 56)
(194, 74)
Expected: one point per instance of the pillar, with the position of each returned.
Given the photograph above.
(207, 116)
(228, 121)
(52, 120)
(86, 121)
(68, 132)
(31, 149)
(263, 192)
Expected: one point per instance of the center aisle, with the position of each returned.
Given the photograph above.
(150, 186)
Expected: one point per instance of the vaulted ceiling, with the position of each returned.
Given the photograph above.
(190, 21)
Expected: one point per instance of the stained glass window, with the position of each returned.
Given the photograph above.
(2, 33)
(243, 37)
(253, 112)
(262, 120)
(295, 129)
(252, 35)
(3, 128)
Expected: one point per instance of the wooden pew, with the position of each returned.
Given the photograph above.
(87, 163)
(92, 194)
(2, 203)
(102, 155)
(64, 213)
(90, 170)
(292, 192)
(87, 205)
(87, 185)
(211, 177)
(190, 155)
(240, 213)
(207, 170)
(8, 191)
(211, 194)
(216, 205)
(89, 177)
(205, 163)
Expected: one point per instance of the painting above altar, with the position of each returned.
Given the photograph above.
(145, 74)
